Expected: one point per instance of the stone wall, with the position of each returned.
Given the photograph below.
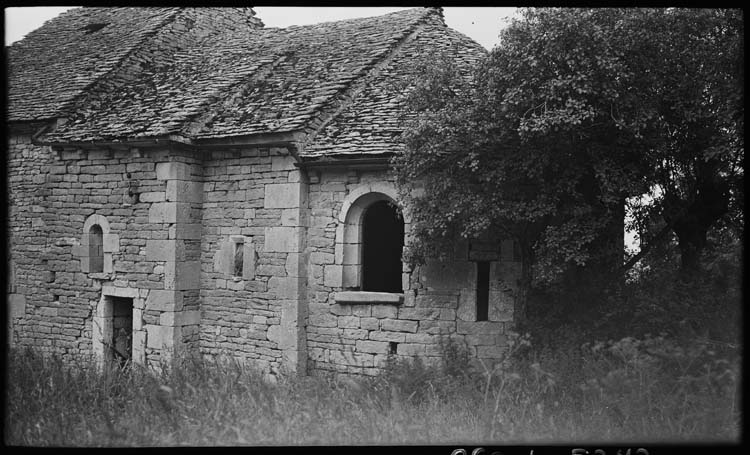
(254, 212)
(151, 225)
(439, 298)
(229, 252)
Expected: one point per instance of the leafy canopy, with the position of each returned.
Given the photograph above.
(576, 113)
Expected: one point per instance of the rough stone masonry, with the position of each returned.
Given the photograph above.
(206, 191)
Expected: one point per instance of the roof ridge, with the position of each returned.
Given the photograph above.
(426, 11)
(339, 102)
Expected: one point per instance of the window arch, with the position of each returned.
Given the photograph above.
(97, 245)
(370, 239)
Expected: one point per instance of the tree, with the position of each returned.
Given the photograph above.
(572, 117)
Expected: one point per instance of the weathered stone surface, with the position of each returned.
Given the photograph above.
(172, 171)
(16, 305)
(281, 195)
(397, 325)
(164, 300)
(373, 347)
(281, 239)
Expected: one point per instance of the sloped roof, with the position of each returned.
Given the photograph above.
(245, 81)
(53, 64)
(371, 123)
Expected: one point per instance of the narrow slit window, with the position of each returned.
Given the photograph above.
(238, 258)
(483, 290)
(96, 249)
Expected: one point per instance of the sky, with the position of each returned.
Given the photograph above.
(480, 23)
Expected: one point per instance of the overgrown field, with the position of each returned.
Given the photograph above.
(648, 389)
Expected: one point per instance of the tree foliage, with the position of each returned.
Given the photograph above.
(575, 115)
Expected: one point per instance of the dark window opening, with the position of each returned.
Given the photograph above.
(55, 297)
(382, 244)
(483, 290)
(238, 258)
(96, 249)
(92, 28)
(392, 347)
(121, 344)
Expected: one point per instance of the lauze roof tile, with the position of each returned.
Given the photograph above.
(214, 73)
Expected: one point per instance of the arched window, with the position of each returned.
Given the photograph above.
(97, 246)
(382, 244)
(369, 243)
(96, 249)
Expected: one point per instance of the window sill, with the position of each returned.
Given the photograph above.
(365, 297)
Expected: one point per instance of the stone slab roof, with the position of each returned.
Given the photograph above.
(371, 123)
(229, 78)
(53, 64)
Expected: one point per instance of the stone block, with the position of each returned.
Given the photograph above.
(159, 337)
(350, 253)
(139, 346)
(281, 195)
(167, 318)
(164, 300)
(397, 325)
(164, 250)
(182, 275)
(398, 337)
(172, 171)
(16, 306)
(184, 191)
(283, 163)
(350, 275)
(152, 196)
(369, 323)
(412, 349)
(290, 217)
(323, 320)
(350, 322)
(384, 311)
(186, 231)
(372, 347)
(137, 318)
(419, 314)
(283, 288)
(437, 300)
(421, 338)
(332, 276)
(281, 239)
(355, 334)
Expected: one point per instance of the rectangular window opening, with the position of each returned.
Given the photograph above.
(238, 258)
(483, 290)
(392, 347)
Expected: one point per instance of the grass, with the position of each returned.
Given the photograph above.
(650, 389)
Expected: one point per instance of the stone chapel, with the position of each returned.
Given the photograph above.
(186, 180)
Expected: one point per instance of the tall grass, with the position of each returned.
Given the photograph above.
(649, 389)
